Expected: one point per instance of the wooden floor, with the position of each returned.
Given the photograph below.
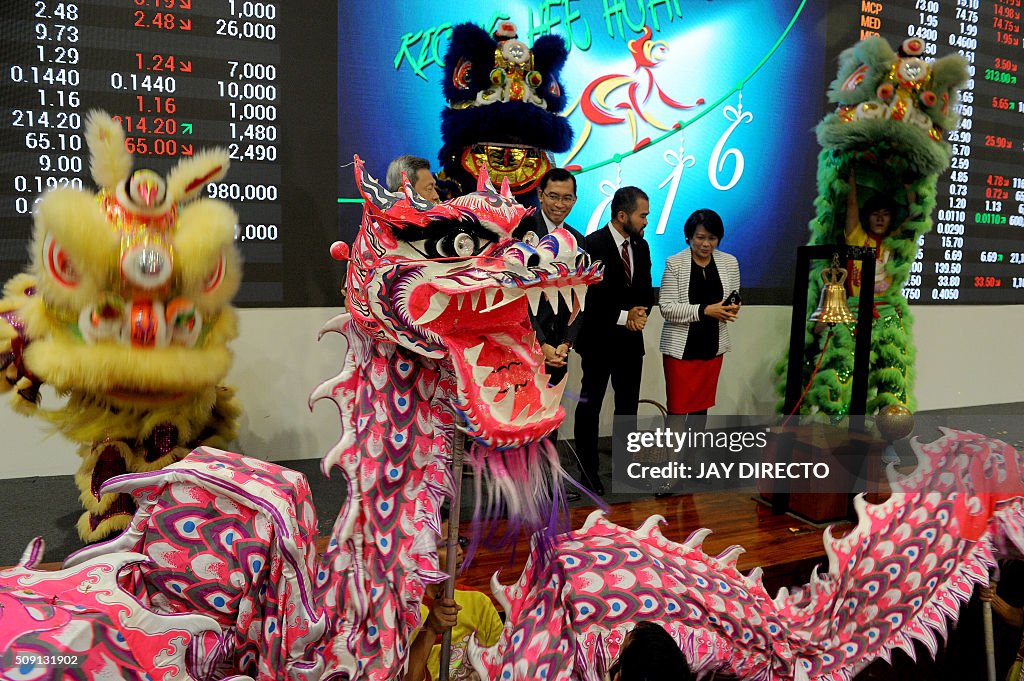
(786, 548)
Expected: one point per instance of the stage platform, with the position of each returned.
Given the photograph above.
(784, 547)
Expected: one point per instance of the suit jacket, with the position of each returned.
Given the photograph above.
(551, 326)
(601, 332)
(675, 306)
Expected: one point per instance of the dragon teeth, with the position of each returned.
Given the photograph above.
(534, 295)
(489, 297)
(473, 353)
(581, 294)
(474, 299)
(551, 293)
(523, 417)
(566, 293)
(480, 374)
(438, 304)
(508, 296)
(503, 408)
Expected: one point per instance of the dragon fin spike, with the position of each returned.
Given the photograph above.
(334, 325)
(651, 525)
(696, 538)
(506, 189)
(33, 554)
(731, 555)
(781, 596)
(500, 593)
(755, 576)
(595, 517)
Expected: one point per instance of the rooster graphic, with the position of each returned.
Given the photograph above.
(595, 105)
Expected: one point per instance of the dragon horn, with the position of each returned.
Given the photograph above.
(483, 181)
(373, 192)
(506, 188)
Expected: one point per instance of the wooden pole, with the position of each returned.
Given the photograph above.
(458, 448)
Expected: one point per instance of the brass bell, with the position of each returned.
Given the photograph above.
(832, 308)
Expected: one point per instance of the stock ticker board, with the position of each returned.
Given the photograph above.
(975, 252)
(261, 79)
(179, 76)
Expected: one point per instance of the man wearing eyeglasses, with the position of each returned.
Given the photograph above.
(557, 196)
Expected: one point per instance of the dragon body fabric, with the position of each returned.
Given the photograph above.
(125, 312)
(893, 112)
(216, 578)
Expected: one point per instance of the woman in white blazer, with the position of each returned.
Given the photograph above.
(693, 303)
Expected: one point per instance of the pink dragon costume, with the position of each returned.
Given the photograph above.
(439, 336)
(216, 577)
(126, 313)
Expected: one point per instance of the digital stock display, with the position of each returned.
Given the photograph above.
(294, 90)
(180, 76)
(975, 252)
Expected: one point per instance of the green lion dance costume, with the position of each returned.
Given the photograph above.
(125, 312)
(882, 150)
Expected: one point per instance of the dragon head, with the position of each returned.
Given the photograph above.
(449, 282)
(131, 291)
(504, 100)
(896, 100)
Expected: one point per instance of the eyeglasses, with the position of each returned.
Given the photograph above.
(559, 198)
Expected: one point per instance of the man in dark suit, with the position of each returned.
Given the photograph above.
(557, 195)
(611, 339)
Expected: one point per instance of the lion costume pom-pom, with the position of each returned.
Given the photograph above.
(125, 312)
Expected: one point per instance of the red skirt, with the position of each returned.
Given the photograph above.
(691, 384)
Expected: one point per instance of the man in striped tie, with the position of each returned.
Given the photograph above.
(611, 340)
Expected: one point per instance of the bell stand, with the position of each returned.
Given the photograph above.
(861, 352)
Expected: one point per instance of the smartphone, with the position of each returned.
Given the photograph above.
(734, 298)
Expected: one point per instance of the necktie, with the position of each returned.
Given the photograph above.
(625, 263)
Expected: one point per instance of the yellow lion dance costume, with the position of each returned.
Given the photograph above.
(125, 312)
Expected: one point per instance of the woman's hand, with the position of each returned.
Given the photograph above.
(722, 312)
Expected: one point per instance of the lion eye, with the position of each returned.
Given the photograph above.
(58, 264)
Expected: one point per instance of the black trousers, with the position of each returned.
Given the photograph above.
(625, 372)
(555, 376)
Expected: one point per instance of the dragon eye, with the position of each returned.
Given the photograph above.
(58, 264)
(464, 245)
